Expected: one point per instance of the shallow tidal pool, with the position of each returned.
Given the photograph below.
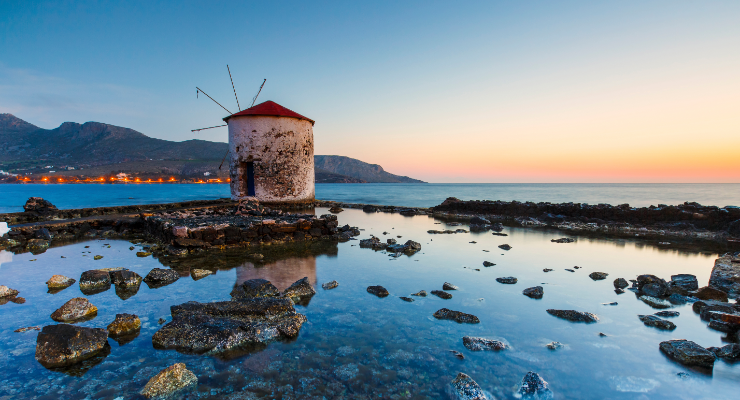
(358, 346)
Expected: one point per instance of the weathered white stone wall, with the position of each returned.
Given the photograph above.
(282, 151)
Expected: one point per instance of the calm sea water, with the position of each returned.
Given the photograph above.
(358, 346)
(12, 197)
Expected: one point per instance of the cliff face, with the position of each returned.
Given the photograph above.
(96, 145)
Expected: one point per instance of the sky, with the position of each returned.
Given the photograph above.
(490, 91)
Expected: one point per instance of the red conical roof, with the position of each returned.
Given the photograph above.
(269, 108)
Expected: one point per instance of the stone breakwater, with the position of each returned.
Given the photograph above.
(180, 229)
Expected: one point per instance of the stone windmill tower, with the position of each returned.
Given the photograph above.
(271, 155)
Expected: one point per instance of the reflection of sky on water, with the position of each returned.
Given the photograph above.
(395, 346)
(5, 257)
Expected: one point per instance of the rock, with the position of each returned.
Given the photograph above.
(39, 205)
(479, 221)
(98, 258)
(667, 313)
(159, 277)
(75, 310)
(497, 227)
(255, 288)
(198, 274)
(678, 299)
(391, 241)
(725, 275)
(652, 320)
(655, 302)
(574, 316)
(534, 387)
(597, 276)
(63, 345)
(651, 285)
(488, 264)
(618, 291)
(300, 291)
(94, 281)
(449, 286)
(509, 280)
(457, 354)
(728, 352)
(554, 345)
(465, 388)
(42, 233)
(407, 299)
(378, 291)
(456, 316)
(336, 210)
(124, 325)
(535, 292)
(412, 247)
(374, 243)
(563, 240)
(369, 209)
(481, 344)
(548, 270)
(620, 283)
(7, 292)
(709, 293)
(569, 270)
(125, 278)
(143, 254)
(441, 294)
(37, 246)
(504, 247)
(422, 293)
(330, 285)
(685, 281)
(687, 352)
(226, 328)
(171, 381)
(57, 282)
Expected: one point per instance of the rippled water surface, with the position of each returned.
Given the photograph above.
(358, 346)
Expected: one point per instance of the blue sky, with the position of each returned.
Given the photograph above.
(444, 91)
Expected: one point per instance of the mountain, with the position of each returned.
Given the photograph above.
(102, 149)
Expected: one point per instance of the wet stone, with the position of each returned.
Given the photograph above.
(574, 316)
(378, 291)
(504, 247)
(620, 283)
(159, 277)
(655, 302)
(652, 320)
(618, 291)
(57, 282)
(125, 278)
(449, 286)
(170, 383)
(708, 293)
(534, 387)
(730, 352)
(488, 264)
(688, 353)
(63, 345)
(483, 344)
(407, 299)
(554, 345)
(465, 388)
(667, 313)
(94, 281)
(534, 292)
(508, 280)
(300, 291)
(7, 292)
(330, 285)
(254, 288)
(563, 240)
(143, 254)
(547, 270)
(420, 293)
(597, 276)
(685, 281)
(123, 325)
(456, 316)
(457, 354)
(441, 294)
(75, 310)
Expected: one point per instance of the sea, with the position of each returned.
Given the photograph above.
(12, 197)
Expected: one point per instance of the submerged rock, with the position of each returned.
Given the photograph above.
(597, 276)
(465, 388)
(481, 344)
(159, 277)
(655, 302)
(620, 283)
(421, 293)
(441, 294)
(456, 316)
(575, 316)
(449, 286)
(652, 320)
(228, 326)
(7, 292)
(94, 281)
(378, 291)
(407, 299)
(124, 325)
(687, 352)
(534, 387)
(534, 292)
(58, 282)
(63, 345)
(254, 288)
(300, 291)
(330, 285)
(75, 310)
(171, 381)
(509, 280)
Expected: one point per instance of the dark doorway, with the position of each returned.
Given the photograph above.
(250, 178)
